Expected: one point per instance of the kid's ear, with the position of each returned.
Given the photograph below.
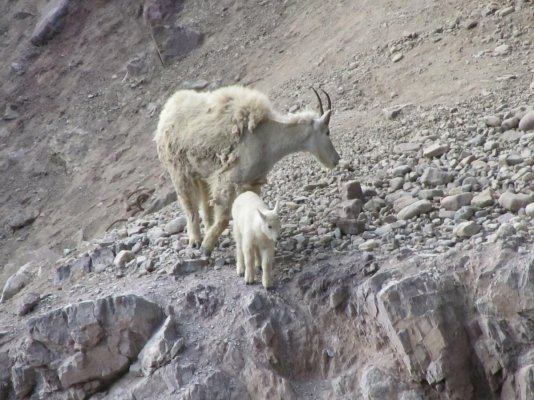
(262, 215)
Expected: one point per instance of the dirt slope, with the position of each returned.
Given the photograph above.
(83, 136)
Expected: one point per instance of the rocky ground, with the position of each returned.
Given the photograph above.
(405, 273)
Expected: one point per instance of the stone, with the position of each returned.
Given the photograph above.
(470, 24)
(184, 267)
(338, 296)
(466, 229)
(435, 177)
(22, 218)
(11, 112)
(350, 226)
(401, 170)
(527, 122)
(492, 121)
(352, 190)
(415, 209)
(392, 112)
(177, 225)
(376, 384)
(515, 201)
(52, 23)
(406, 148)
(436, 150)
(503, 12)
(455, 202)
(502, 50)
(27, 303)
(102, 258)
(157, 351)
(369, 245)
(348, 209)
(92, 341)
(16, 282)
(529, 210)
(123, 257)
(510, 123)
(397, 57)
(505, 231)
(429, 194)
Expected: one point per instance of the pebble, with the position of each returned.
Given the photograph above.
(123, 257)
(177, 225)
(455, 202)
(483, 199)
(515, 201)
(492, 121)
(435, 150)
(502, 50)
(466, 229)
(397, 57)
(415, 209)
(527, 122)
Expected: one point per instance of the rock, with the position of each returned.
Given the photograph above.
(527, 122)
(348, 209)
(466, 229)
(157, 351)
(483, 199)
(511, 136)
(136, 66)
(392, 112)
(376, 384)
(510, 123)
(470, 24)
(16, 282)
(492, 121)
(123, 257)
(27, 303)
(369, 245)
(338, 296)
(375, 204)
(396, 183)
(415, 209)
(352, 190)
(74, 269)
(51, 23)
(350, 226)
(22, 218)
(435, 150)
(455, 202)
(102, 258)
(91, 341)
(401, 170)
(506, 11)
(435, 177)
(397, 57)
(515, 201)
(505, 231)
(406, 148)
(501, 50)
(177, 225)
(430, 194)
(183, 267)
(23, 379)
(200, 84)
(529, 210)
(11, 112)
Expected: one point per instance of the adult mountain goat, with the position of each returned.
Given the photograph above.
(219, 144)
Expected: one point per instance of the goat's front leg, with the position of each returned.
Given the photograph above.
(248, 250)
(240, 262)
(222, 219)
(267, 259)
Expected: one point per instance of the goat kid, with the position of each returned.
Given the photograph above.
(256, 230)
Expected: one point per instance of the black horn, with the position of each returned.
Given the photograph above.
(320, 102)
(327, 98)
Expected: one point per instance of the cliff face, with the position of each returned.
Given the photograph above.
(403, 274)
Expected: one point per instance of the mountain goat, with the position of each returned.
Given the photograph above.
(219, 144)
(256, 230)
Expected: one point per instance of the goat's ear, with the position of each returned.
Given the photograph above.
(325, 118)
(276, 207)
(262, 215)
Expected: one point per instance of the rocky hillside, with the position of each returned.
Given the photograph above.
(405, 273)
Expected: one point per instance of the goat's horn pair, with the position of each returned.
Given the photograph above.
(320, 102)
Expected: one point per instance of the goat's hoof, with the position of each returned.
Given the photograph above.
(194, 243)
(241, 274)
(205, 252)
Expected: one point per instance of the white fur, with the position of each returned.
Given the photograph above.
(219, 144)
(256, 230)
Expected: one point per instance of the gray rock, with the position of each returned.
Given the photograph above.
(435, 177)
(401, 170)
(52, 23)
(492, 121)
(157, 351)
(406, 148)
(101, 258)
(396, 183)
(11, 112)
(123, 257)
(376, 384)
(350, 226)
(370, 245)
(502, 50)
(505, 231)
(435, 150)
(429, 194)
(515, 201)
(510, 123)
(466, 229)
(177, 225)
(91, 341)
(455, 202)
(27, 303)
(24, 380)
(529, 210)
(22, 218)
(16, 282)
(503, 12)
(415, 209)
(397, 57)
(511, 136)
(392, 112)
(338, 296)
(527, 122)
(183, 267)
(352, 190)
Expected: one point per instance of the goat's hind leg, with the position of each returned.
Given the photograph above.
(249, 253)
(240, 262)
(189, 197)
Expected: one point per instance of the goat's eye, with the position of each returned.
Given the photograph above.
(269, 226)
(328, 132)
